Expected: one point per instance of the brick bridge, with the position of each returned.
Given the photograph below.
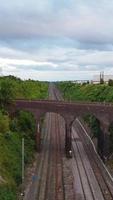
(70, 111)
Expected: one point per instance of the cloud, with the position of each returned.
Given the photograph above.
(56, 36)
(84, 22)
(57, 59)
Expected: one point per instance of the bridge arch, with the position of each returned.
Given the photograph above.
(69, 111)
(38, 115)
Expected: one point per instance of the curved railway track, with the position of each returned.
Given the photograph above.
(93, 184)
(103, 181)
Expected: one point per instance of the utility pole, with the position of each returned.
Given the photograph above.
(22, 160)
(23, 168)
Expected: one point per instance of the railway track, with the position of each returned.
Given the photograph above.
(52, 172)
(103, 179)
(91, 180)
(59, 178)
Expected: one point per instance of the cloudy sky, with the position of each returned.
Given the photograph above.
(56, 39)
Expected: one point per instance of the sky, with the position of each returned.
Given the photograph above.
(56, 39)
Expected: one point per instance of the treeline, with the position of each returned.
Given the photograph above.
(12, 130)
(14, 88)
(86, 92)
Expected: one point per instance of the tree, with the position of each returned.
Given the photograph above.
(110, 82)
(6, 93)
(24, 123)
(4, 123)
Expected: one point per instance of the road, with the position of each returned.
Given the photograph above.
(83, 177)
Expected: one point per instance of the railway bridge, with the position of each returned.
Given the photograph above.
(70, 111)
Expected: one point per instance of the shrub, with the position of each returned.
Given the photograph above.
(4, 123)
(111, 137)
(93, 124)
(7, 192)
(110, 82)
(6, 93)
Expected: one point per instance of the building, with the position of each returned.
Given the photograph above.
(106, 78)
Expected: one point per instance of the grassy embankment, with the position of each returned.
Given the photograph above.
(13, 130)
(87, 92)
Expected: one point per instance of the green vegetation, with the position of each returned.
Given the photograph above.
(110, 82)
(6, 92)
(90, 93)
(86, 92)
(4, 123)
(111, 137)
(13, 130)
(94, 125)
(14, 88)
(22, 125)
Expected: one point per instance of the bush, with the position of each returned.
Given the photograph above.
(7, 193)
(24, 124)
(93, 124)
(13, 130)
(6, 93)
(111, 137)
(11, 146)
(4, 123)
(88, 92)
(110, 82)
